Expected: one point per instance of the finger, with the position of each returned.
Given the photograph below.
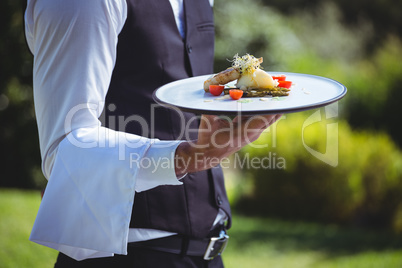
(259, 121)
(272, 120)
(278, 116)
(207, 121)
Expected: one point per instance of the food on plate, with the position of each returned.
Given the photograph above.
(261, 93)
(256, 80)
(281, 77)
(251, 80)
(216, 90)
(235, 93)
(284, 84)
(222, 78)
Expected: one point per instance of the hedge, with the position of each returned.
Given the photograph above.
(356, 180)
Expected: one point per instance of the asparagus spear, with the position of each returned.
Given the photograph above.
(261, 92)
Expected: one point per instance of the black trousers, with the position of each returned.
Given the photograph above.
(140, 257)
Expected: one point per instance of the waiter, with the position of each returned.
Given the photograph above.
(93, 56)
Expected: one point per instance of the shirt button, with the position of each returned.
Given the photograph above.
(189, 48)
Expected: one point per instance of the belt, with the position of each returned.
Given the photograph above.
(208, 248)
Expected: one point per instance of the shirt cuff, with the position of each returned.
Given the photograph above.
(157, 166)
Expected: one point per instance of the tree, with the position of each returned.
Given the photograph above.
(19, 152)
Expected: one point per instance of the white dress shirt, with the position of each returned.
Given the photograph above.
(92, 171)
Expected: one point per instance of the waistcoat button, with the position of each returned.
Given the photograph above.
(189, 48)
(219, 200)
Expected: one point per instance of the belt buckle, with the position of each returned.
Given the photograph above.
(216, 246)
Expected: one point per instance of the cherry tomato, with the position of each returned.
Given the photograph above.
(281, 77)
(285, 84)
(216, 90)
(235, 93)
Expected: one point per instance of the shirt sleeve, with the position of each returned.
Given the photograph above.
(93, 172)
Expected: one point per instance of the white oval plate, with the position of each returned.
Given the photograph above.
(307, 92)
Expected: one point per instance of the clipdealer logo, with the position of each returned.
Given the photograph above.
(106, 137)
(246, 161)
(330, 156)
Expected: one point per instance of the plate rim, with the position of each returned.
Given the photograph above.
(253, 112)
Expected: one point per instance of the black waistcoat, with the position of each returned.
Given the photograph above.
(151, 53)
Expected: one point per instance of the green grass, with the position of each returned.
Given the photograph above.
(259, 242)
(254, 242)
(17, 214)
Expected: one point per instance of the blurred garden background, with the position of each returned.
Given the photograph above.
(338, 207)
